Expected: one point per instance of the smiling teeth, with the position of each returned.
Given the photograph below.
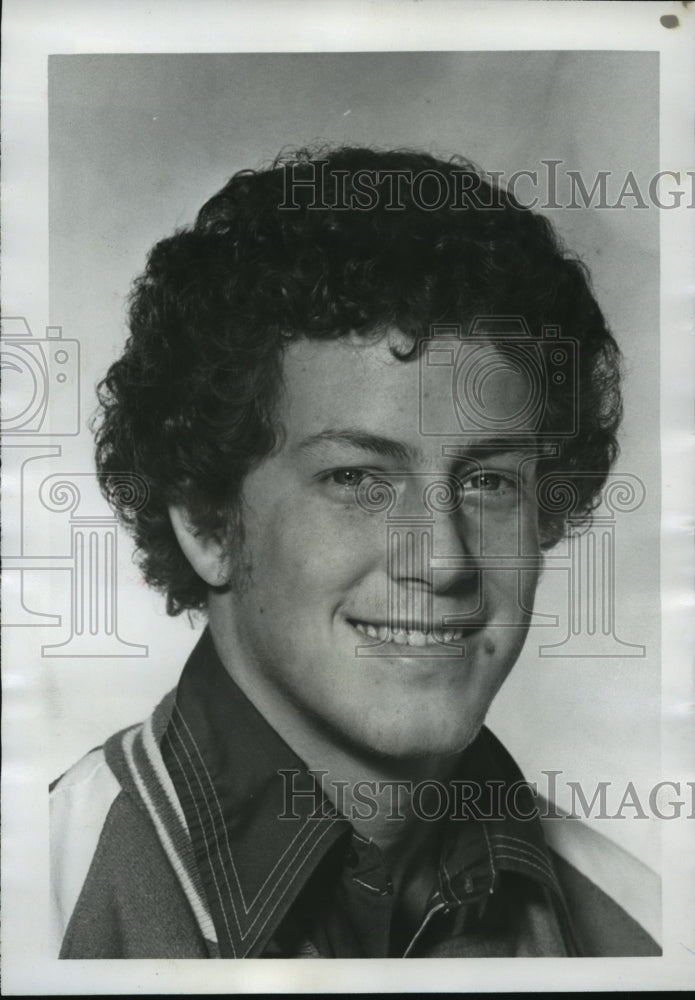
(409, 637)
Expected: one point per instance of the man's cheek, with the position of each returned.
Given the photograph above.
(334, 546)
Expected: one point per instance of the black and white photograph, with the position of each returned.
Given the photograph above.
(347, 469)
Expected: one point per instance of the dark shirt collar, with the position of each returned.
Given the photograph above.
(256, 850)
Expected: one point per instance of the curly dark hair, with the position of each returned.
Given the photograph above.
(190, 404)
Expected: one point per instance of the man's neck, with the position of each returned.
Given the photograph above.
(393, 803)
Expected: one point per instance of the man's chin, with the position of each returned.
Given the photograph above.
(397, 746)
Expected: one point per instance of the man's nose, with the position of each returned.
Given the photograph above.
(455, 550)
(435, 542)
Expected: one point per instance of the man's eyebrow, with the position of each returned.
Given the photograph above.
(401, 452)
(364, 441)
(484, 448)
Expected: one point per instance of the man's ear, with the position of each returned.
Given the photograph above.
(207, 554)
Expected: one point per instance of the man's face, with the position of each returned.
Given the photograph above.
(381, 629)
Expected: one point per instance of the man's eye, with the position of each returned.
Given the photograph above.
(488, 482)
(363, 486)
(348, 478)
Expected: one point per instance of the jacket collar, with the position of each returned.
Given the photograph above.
(225, 760)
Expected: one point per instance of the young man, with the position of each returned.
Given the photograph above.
(343, 389)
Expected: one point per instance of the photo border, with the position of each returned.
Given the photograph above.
(33, 29)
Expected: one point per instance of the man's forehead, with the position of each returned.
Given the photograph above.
(362, 386)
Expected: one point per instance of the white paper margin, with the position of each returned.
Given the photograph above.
(31, 30)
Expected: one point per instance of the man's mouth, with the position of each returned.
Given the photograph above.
(421, 636)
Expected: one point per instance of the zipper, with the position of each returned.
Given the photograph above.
(435, 909)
